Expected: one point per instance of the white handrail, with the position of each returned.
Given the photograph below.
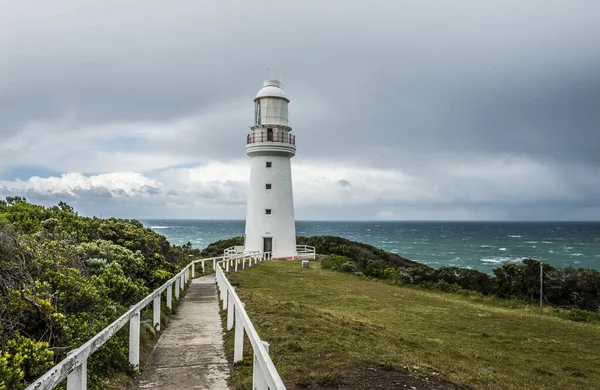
(233, 250)
(265, 376)
(264, 373)
(306, 250)
(74, 366)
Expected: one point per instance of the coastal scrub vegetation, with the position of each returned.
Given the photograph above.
(64, 278)
(330, 329)
(216, 248)
(568, 288)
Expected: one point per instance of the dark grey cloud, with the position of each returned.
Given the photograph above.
(413, 86)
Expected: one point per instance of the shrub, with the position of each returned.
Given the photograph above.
(11, 375)
(349, 267)
(23, 359)
(216, 248)
(334, 262)
(444, 286)
(64, 278)
(579, 315)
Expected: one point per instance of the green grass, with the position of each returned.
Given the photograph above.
(321, 324)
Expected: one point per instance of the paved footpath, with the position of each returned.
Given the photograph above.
(190, 353)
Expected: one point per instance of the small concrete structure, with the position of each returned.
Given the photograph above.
(190, 353)
(305, 263)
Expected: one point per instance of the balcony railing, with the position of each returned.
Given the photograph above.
(271, 137)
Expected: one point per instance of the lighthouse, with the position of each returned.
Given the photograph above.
(270, 224)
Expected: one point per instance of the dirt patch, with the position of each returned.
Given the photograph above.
(376, 378)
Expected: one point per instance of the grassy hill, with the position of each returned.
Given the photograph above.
(328, 328)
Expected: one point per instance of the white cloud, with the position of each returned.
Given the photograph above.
(219, 189)
(117, 184)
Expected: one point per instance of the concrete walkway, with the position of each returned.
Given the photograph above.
(190, 353)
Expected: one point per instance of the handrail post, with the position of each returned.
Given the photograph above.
(177, 289)
(230, 309)
(258, 376)
(225, 298)
(215, 265)
(221, 287)
(193, 270)
(77, 379)
(134, 340)
(203, 272)
(238, 348)
(156, 312)
(170, 296)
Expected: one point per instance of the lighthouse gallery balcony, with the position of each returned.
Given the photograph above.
(271, 137)
(277, 143)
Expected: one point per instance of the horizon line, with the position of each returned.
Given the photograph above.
(386, 220)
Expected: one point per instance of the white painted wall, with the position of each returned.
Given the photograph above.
(280, 225)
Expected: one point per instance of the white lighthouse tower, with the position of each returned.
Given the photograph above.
(270, 224)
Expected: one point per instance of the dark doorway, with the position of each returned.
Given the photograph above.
(267, 244)
(269, 134)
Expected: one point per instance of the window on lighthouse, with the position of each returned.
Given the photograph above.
(268, 186)
(257, 113)
(268, 211)
(269, 164)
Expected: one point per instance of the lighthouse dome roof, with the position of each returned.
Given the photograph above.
(271, 88)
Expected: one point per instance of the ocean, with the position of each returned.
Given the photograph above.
(477, 245)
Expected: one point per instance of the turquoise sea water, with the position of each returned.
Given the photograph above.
(478, 245)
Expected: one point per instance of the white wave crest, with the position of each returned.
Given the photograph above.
(501, 259)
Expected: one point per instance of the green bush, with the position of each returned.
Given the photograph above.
(11, 374)
(64, 278)
(216, 248)
(334, 262)
(579, 315)
(23, 360)
(349, 267)
(442, 285)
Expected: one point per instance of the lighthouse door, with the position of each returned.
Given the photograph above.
(267, 244)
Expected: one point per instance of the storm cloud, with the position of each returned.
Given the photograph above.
(431, 110)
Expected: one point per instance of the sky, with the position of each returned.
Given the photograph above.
(403, 110)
